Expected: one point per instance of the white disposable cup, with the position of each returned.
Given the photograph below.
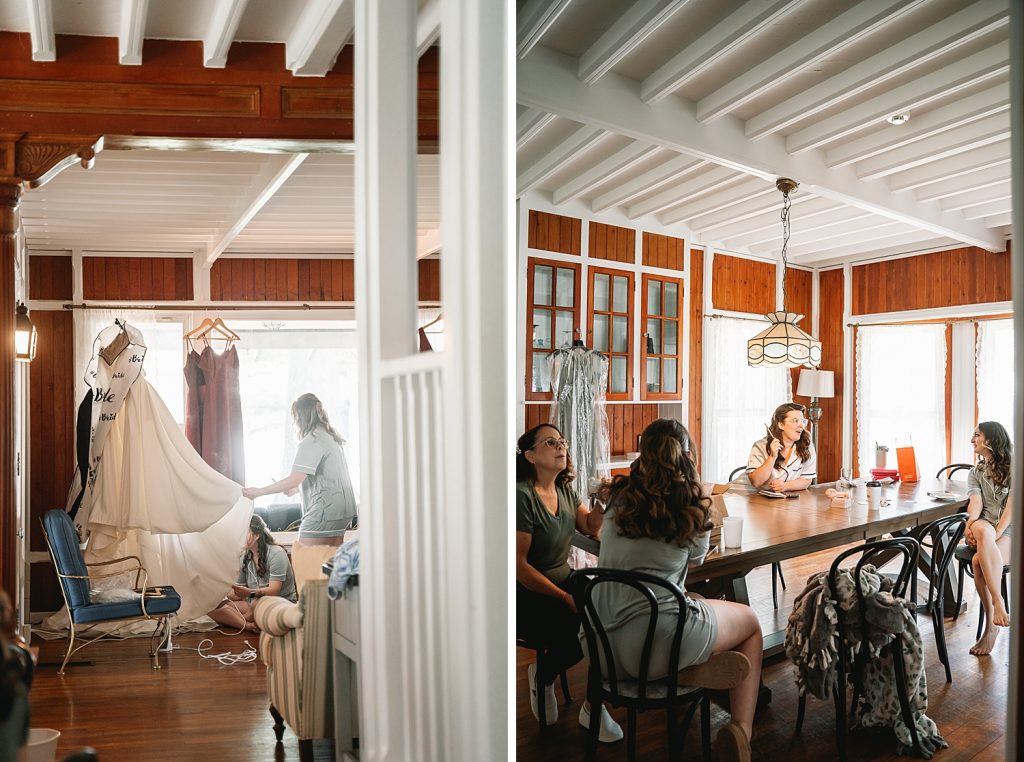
(874, 498)
(732, 531)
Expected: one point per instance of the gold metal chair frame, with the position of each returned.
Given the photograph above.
(160, 632)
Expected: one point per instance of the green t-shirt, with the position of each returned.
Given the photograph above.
(549, 548)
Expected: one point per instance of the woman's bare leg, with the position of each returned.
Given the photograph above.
(229, 614)
(739, 630)
(988, 571)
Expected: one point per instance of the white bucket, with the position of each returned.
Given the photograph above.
(41, 745)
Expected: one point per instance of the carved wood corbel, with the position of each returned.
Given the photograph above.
(40, 158)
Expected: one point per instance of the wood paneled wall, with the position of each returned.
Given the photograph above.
(612, 242)
(429, 283)
(52, 434)
(696, 370)
(554, 232)
(281, 280)
(943, 279)
(136, 278)
(663, 251)
(49, 277)
(625, 423)
(800, 299)
(742, 285)
(830, 434)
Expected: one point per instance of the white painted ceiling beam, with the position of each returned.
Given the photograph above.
(132, 32)
(956, 166)
(40, 28)
(747, 209)
(993, 100)
(533, 21)
(276, 171)
(745, 232)
(993, 129)
(669, 171)
(320, 33)
(999, 220)
(727, 36)
(428, 26)
(621, 161)
(224, 21)
(706, 182)
(810, 226)
(995, 200)
(825, 259)
(529, 123)
(952, 32)
(582, 139)
(860, 236)
(967, 72)
(547, 80)
(427, 242)
(710, 203)
(624, 36)
(968, 183)
(834, 35)
(877, 247)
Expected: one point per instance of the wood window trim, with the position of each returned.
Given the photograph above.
(614, 272)
(661, 396)
(554, 264)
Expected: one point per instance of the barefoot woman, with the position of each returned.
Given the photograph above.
(988, 525)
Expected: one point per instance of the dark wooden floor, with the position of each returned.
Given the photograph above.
(193, 708)
(970, 712)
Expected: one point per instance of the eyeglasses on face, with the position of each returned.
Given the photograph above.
(551, 442)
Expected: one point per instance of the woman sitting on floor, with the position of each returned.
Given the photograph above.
(657, 521)
(265, 571)
(547, 511)
(784, 460)
(988, 525)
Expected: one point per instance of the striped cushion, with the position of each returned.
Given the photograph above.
(276, 615)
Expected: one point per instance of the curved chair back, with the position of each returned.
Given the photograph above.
(736, 471)
(62, 539)
(944, 535)
(952, 468)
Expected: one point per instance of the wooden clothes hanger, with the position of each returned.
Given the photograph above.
(438, 319)
(206, 329)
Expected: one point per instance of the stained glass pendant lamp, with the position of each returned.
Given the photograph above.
(784, 343)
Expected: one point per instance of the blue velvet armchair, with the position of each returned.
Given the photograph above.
(76, 576)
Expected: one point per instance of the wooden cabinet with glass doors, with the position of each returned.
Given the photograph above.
(552, 315)
(661, 349)
(610, 326)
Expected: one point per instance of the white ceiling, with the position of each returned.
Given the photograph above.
(684, 112)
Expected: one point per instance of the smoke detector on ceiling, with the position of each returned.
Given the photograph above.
(898, 119)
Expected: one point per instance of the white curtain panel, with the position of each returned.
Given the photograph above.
(901, 376)
(995, 372)
(738, 400)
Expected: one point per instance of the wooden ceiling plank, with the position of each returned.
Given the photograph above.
(751, 189)
(768, 228)
(995, 155)
(936, 40)
(669, 171)
(724, 38)
(859, 21)
(968, 183)
(132, 32)
(971, 108)
(624, 36)
(874, 248)
(534, 19)
(679, 193)
(529, 124)
(224, 21)
(40, 25)
(320, 33)
(615, 165)
(580, 140)
(747, 209)
(278, 170)
(974, 70)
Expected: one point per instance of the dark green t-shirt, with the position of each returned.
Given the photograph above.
(549, 548)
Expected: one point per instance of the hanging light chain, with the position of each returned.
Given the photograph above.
(787, 186)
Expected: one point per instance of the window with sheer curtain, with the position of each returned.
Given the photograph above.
(901, 393)
(995, 372)
(738, 400)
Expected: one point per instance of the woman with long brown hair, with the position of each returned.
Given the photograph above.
(548, 510)
(784, 460)
(320, 474)
(657, 521)
(988, 525)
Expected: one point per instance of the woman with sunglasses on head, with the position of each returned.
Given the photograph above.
(784, 460)
(988, 525)
(547, 511)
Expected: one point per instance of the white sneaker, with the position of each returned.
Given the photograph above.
(610, 731)
(550, 702)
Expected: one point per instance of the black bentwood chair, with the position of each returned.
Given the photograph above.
(541, 654)
(944, 535)
(870, 552)
(777, 577)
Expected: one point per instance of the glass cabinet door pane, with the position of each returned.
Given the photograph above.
(565, 287)
(563, 328)
(540, 380)
(671, 330)
(600, 337)
(600, 292)
(620, 294)
(653, 337)
(653, 374)
(619, 328)
(542, 284)
(668, 378)
(541, 329)
(654, 297)
(671, 300)
(618, 379)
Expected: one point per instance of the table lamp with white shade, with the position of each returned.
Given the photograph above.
(816, 384)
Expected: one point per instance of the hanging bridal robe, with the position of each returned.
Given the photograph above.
(213, 410)
(149, 493)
